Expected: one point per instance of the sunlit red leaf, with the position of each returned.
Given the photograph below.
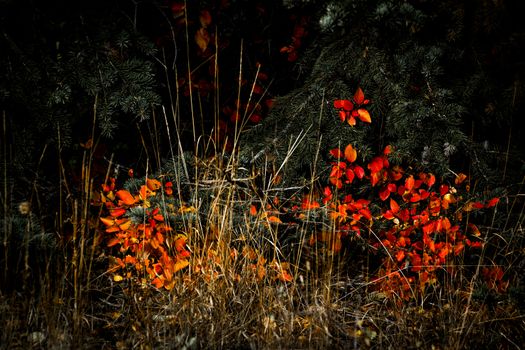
(125, 197)
(387, 150)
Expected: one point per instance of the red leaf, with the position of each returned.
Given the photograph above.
(400, 255)
(376, 164)
(350, 175)
(384, 194)
(392, 187)
(342, 115)
(492, 202)
(359, 172)
(394, 206)
(338, 104)
(336, 152)
(347, 105)
(359, 96)
(415, 198)
(350, 153)
(387, 150)
(409, 183)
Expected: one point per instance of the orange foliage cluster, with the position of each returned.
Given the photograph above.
(148, 249)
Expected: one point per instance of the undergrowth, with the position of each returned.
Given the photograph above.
(199, 252)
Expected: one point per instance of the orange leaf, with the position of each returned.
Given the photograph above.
(125, 197)
(363, 115)
(350, 153)
(153, 184)
(253, 210)
(180, 264)
(112, 229)
(125, 225)
(113, 241)
(157, 282)
(460, 178)
(202, 38)
(107, 221)
(116, 212)
(274, 219)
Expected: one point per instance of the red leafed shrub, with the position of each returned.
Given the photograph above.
(415, 225)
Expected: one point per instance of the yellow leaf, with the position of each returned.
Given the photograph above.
(118, 278)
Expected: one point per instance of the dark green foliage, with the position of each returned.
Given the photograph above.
(419, 63)
(58, 62)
